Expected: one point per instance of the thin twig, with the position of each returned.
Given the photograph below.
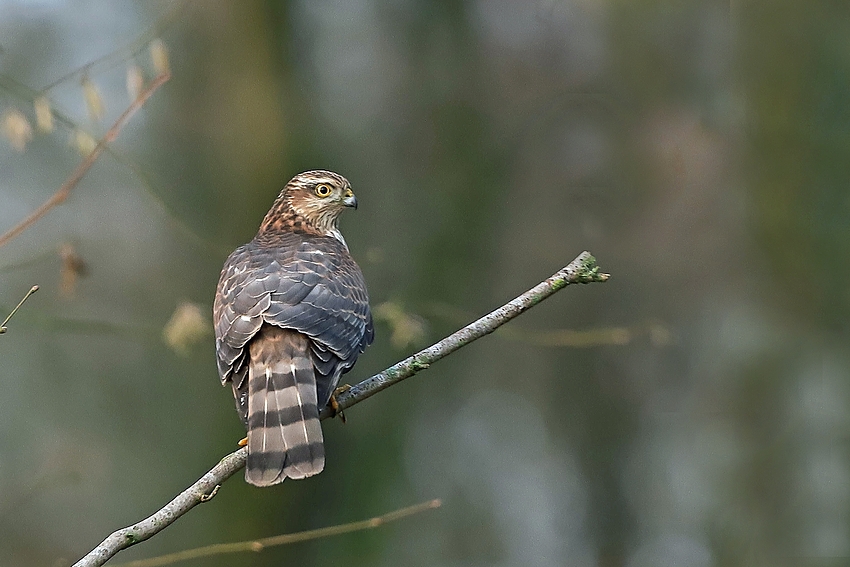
(581, 270)
(32, 290)
(130, 50)
(285, 539)
(84, 166)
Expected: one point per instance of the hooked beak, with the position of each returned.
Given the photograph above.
(350, 200)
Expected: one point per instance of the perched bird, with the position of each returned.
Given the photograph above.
(291, 315)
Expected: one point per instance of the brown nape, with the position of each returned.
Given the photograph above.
(283, 219)
(300, 212)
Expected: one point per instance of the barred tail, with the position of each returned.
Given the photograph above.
(284, 435)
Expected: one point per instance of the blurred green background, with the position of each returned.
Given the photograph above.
(693, 411)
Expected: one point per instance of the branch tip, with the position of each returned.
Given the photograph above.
(3, 327)
(589, 269)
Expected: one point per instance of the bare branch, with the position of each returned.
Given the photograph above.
(581, 270)
(84, 166)
(285, 539)
(32, 290)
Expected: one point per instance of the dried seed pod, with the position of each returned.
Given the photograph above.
(135, 81)
(82, 142)
(94, 102)
(17, 129)
(188, 325)
(159, 56)
(43, 114)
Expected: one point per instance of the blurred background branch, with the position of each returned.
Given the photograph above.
(84, 166)
(404, 325)
(149, 39)
(258, 545)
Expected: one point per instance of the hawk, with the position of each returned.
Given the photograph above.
(291, 315)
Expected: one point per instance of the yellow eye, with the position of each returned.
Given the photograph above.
(323, 190)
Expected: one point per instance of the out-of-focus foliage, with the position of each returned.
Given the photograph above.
(691, 411)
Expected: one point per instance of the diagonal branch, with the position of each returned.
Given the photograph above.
(3, 328)
(581, 270)
(84, 166)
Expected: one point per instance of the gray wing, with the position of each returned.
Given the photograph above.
(294, 281)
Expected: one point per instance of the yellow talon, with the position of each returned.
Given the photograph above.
(335, 405)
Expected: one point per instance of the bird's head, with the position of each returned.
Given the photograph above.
(311, 201)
